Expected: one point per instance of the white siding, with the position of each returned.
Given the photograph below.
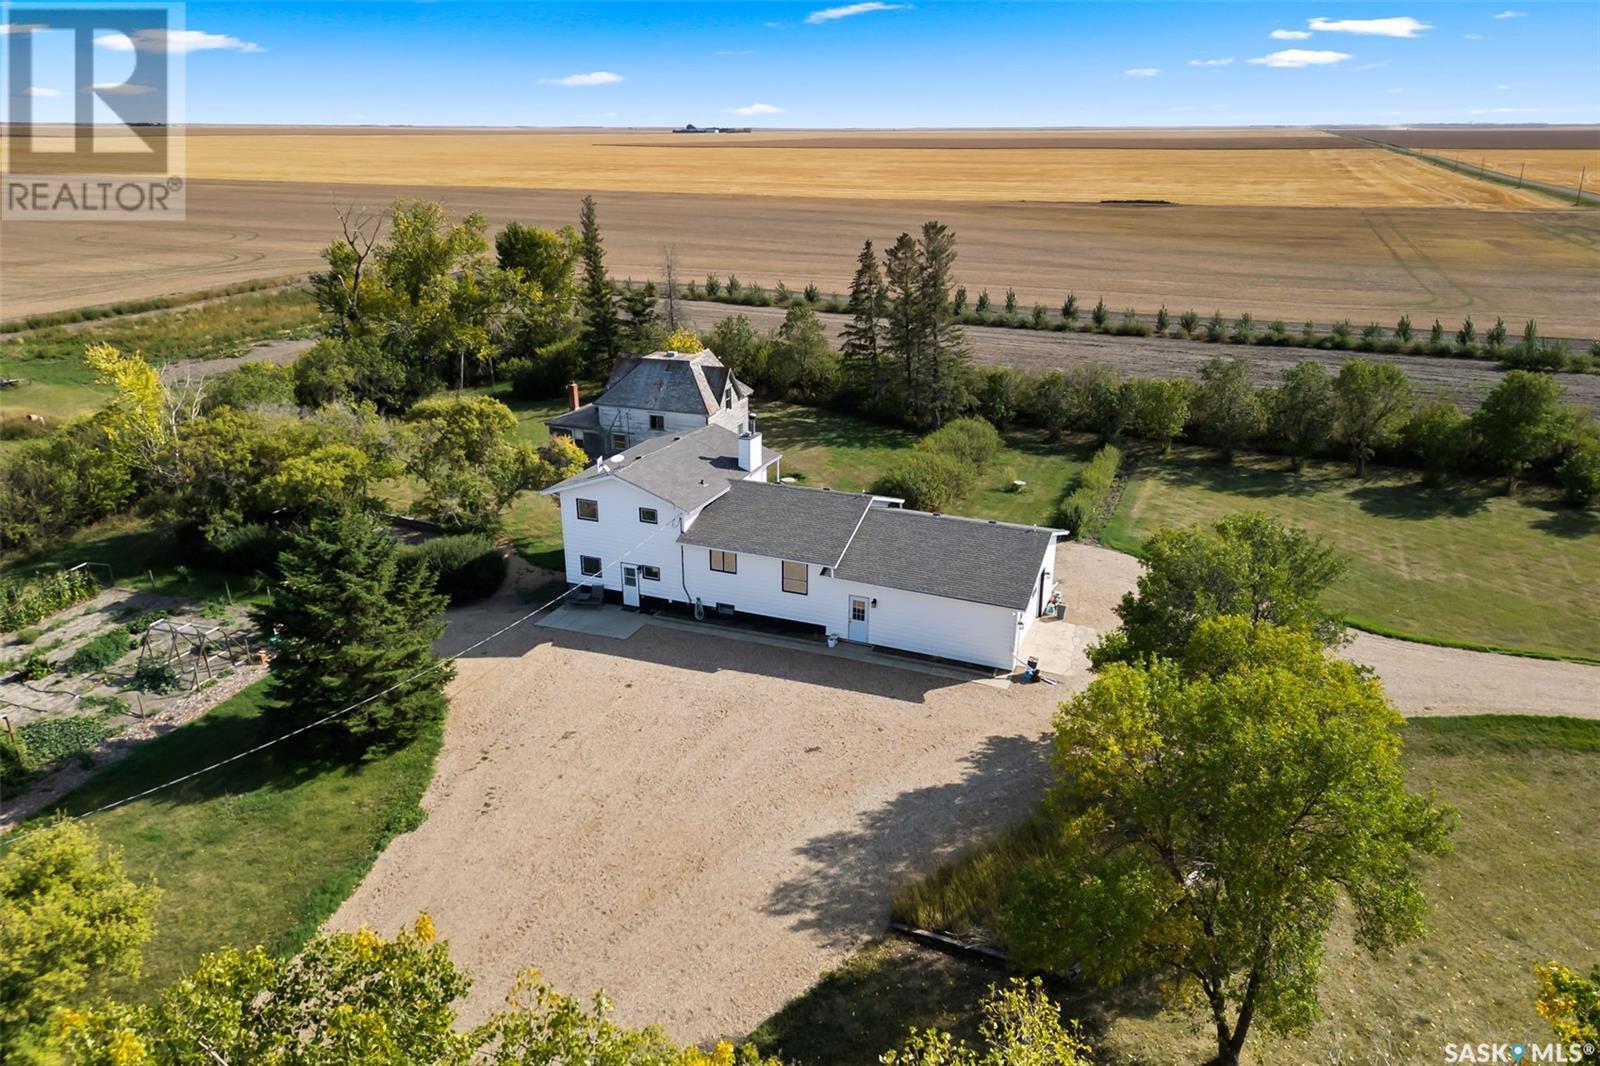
(1031, 615)
(910, 621)
(615, 538)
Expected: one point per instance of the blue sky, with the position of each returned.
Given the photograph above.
(883, 64)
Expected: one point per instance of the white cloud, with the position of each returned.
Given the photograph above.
(1404, 26)
(1210, 62)
(126, 88)
(21, 27)
(1289, 35)
(828, 14)
(755, 109)
(174, 42)
(1512, 15)
(574, 81)
(1142, 72)
(1505, 111)
(734, 52)
(1502, 88)
(39, 90)
(1300, 57)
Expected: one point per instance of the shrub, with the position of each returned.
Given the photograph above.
(713, 286)
(1244, 329)
(1011, 301)
(1099, 315)
(29, 634)
(969, 440)
(1082, 512)
(546, 372)
(251, 385)
(34, 668)
(157, 677)
(1188, 322)
(1216, 328)
(1579, 474)
(99, 652)
(22, 603)
(1163, 319)
(467, 567)
(248, 548)
(927, 480)
(1130, 326)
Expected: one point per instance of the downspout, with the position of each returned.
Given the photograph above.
(683, 565)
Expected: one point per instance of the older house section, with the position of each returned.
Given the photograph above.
(653, 395)
(693, 520)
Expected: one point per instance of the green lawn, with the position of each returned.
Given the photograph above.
(1521, 887)
(139, 552)
(1463, 564)
(834, 450)
(260, 851)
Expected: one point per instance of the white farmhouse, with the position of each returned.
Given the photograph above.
(692, 519)
(650, 395)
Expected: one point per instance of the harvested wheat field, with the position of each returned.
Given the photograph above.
(1343, 174)
(1447, 255)
(1555, 166)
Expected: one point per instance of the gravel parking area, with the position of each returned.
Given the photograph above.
(698, 824)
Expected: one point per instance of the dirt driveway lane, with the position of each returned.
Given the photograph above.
(699, 825)
(1419, 678)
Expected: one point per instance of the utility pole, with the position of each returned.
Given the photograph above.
(1581, 175)
(1521, 172)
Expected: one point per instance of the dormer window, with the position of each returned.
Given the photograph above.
(727, 401)
(658, 422)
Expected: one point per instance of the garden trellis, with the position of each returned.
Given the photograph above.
(188, 649)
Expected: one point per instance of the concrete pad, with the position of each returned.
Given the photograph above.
(603, 621)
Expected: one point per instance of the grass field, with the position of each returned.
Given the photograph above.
(259, 852)
(1463, 564)
(1498, 906)
(57, 384)
(1344, 174)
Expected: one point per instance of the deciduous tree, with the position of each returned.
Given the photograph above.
(1520, 422)
(1300, 410)
(1372, 403)
(1020, 1027)
(1213, 813)
(1225, 406)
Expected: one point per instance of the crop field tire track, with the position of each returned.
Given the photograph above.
(1442, 281)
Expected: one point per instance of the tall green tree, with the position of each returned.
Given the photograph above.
(904, 333)
(70, 918)
(1160, 409)
(548, 259)
(862, 348)
(1244, 564)
(1372, 403)
(1520, 422)
(602, 327)
(642, 329)
(353, 628)
(801, 360)
(1226, 408)
(1300, 410)
(941, 380)
(1213, 813)
(1439, 435)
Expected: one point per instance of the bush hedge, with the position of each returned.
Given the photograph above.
(467, 566)
(24, 602)
(1083, 510)
(927, 480)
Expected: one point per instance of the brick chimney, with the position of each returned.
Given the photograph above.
(572, 395)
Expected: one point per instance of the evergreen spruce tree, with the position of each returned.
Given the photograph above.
(903, 334)
(863, 336)
(942, 375)
(596, 301)
(349, 622)
(641, 326)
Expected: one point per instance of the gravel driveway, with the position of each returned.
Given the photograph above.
(699, 825)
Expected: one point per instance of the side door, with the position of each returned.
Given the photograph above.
(856, 626)
(630, 585)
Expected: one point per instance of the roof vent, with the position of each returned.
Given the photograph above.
(702, 481)
(619, 457)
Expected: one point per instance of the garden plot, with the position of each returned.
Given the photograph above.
(86, 683)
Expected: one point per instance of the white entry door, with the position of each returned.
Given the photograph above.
(630, 585)
(857, 629)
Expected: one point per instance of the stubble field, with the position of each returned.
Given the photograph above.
(1265, 221)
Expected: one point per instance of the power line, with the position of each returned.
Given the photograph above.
(7, 840)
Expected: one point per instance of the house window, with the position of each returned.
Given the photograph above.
(647, 515)
(795, 577)
(727, 402)
(724, 562)
(589, 565)
(658, 422)
(588, 510)
(650, 573)
(619, 442)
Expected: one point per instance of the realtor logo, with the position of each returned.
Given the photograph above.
(93, 124)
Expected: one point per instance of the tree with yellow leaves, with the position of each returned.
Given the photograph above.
(1570, 1002)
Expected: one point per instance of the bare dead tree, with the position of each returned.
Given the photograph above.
(361, 229)
(669, 306)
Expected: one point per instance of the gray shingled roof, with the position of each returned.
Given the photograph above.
(585, 417)
(781, 522)
(688, 470)
(959, 558)
(665, 381)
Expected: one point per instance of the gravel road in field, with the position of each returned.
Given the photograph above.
(281, 352)
(1466, 380)
(1419, 678)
